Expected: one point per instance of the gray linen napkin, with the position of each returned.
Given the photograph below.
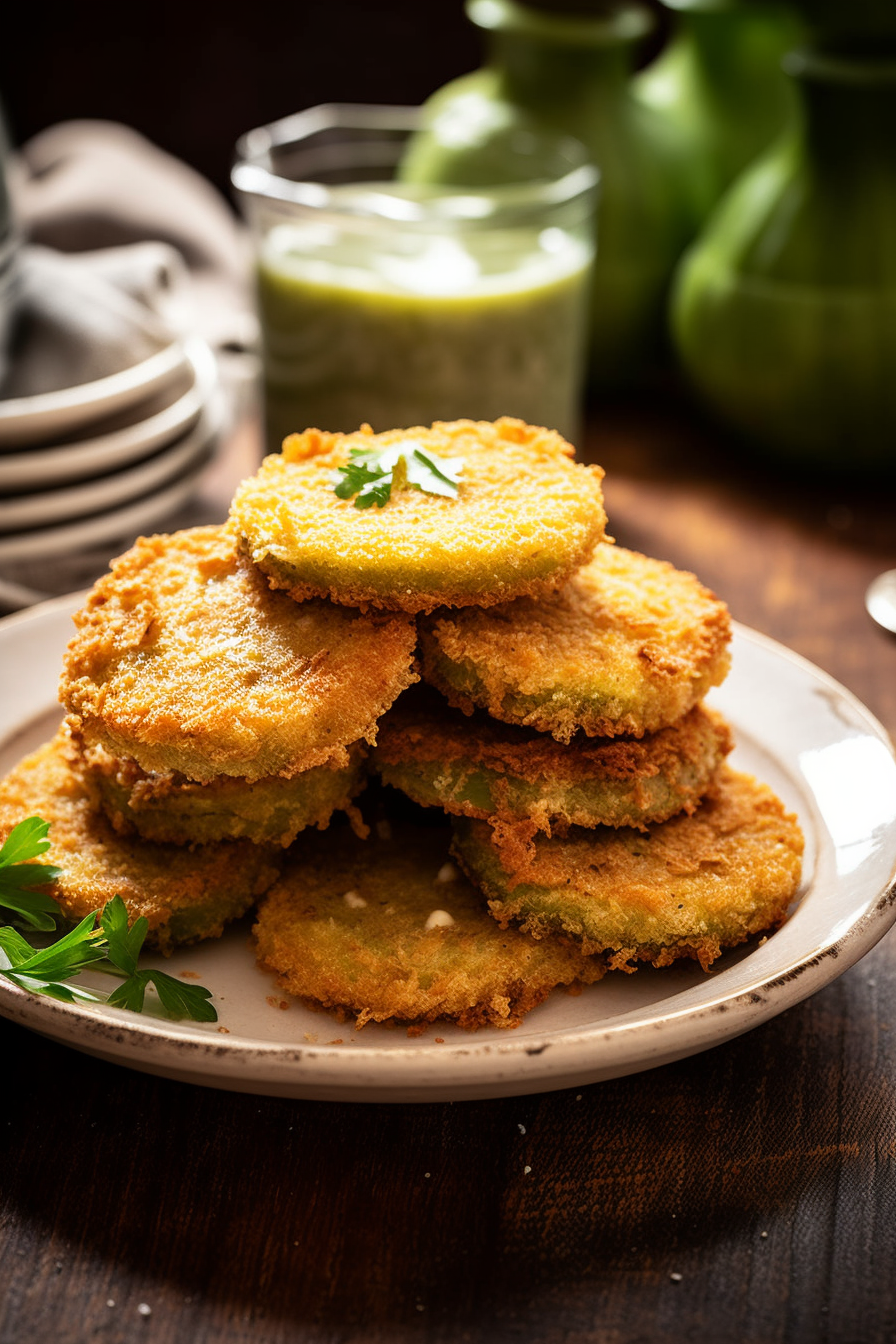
(76, 322)
(84, 186)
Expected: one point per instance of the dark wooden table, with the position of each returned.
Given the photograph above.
(748, 1193)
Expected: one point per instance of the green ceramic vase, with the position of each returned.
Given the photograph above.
(784, 311)
(719, 83)
(571, 72)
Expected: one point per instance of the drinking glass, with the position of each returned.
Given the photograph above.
(395, 305)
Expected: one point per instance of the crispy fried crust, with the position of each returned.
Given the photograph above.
(178, 811)
(525, 518)
(627, 646)
(688, 888)
(184, 895)
(185, 661)
(345, 928)
(477, 767)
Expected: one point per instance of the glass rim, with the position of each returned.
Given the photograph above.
(254, 177)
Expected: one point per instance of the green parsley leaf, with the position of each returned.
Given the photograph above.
(370, 476)
(177, 999)
(14, 947)
(437, 476)
(54, 989)
(69, 955)
(129, 994)
(376, 492)
(25, 841)
(19, 876)
(357, 477)
(43, 971)
(122, 944)
(180, 1000)
(102, 941)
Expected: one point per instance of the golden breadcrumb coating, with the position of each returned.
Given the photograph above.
(627, 646)
(184, 895)
(478, 767)
(689, 887)
(181, 811)
(373, 929)
(525, 517)
(185, 661)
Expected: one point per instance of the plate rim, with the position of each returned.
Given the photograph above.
(114, 525)
(25, 420)
(119, 446)
(117, 489)
(566, 1056)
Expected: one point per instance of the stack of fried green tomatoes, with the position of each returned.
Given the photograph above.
(559, 724)
(437, 610)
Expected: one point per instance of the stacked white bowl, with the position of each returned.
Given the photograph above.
(89, 457)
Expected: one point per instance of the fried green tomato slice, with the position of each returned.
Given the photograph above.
(477, 767)
(688, 887)
(524, 518)
(385, 929)
(185, 661)
(626, 647)
(184, 895)
(180, 811)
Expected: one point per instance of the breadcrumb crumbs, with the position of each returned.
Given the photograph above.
(439, 919)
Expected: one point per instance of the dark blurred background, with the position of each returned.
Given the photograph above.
(193, 76)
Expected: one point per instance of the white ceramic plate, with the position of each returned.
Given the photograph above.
(796, 728)
(123, 443)
(35, 419)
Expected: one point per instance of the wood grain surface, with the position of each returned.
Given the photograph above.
(748, 1193)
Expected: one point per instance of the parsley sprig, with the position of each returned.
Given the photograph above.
(101, 942)
(19, 878)
(371, 476)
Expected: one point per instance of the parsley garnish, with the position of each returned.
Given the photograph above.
(123, 946)
(18, 878)
(108, 946)
(371, 476)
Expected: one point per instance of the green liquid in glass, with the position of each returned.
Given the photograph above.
(403, 330)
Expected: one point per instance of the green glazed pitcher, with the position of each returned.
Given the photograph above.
(784, 311)
(571, 72)
(720, 84)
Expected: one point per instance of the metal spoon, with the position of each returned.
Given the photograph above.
(880, 600)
